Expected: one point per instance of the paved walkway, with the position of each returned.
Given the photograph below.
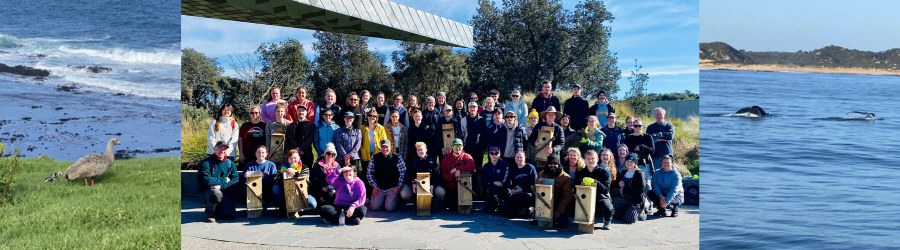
(443, 230)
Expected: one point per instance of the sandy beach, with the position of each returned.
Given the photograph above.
(706, 64)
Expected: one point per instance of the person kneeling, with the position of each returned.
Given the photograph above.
(521, 180)
(667, 186)
(350, 197)
(216, 177)
(493, 179)
(422, 164)
(385, 174)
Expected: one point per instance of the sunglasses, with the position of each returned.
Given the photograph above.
(332, 154)
(515, 96)
(373, 116)
(638, 125)
(508, 117)
(473, 98)
(495, 153)
(254, 113)
(353, 100)
(329, 115)
(457, 146)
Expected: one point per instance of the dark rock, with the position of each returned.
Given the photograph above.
(34, 107)
(23, 70)
(64, 88)
(58, 108)
(91, 69)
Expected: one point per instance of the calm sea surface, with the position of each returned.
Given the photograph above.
(809, 176)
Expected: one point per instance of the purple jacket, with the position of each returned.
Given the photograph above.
(352, 194)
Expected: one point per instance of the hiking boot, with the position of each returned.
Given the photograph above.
(660, 212)
(353, 221)
(675, 212)
(211, 219)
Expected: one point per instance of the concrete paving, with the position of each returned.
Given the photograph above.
(401, 229)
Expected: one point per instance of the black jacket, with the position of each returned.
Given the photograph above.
(558, 139)
(577, 109)
(420, 165)
(602, 177)
(541, 103)
(317, 180)
(476, 136)
(645, 142)
(499, 139)
(635, 192)
(334, 109)
(300, 136)
(421, 133)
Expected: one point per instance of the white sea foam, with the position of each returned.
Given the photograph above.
(126, 55)
(123, 86)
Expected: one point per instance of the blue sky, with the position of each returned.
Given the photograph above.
(662, 35)
(765, 25)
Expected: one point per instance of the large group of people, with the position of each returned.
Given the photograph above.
(368, 157)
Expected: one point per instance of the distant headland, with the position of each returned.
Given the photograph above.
(829, 59)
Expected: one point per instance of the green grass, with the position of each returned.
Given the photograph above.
(135, 205)
(193, 141)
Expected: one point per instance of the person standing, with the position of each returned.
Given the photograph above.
(642, 145)
(601, 108)
(386, 172)
(510, 138)
(325, 131)
(614, 134)
(301, 95)
(545, 99)
(576, 108)
(366, 103)
(413, 105)
(216, 176)
(459, 110)
(398, 107)
(476, 138)
(223, 128)
(268, 109)
(438, 151)
(279, 121)
(348, 141)
(381, 107)
(418, 131)
(431, 114)
(372, 133)
(359, 111)
(518, 107)
(495, 94)
(330, 99)
(662, 133)
(300, 135)
(557, 142)
(452, 165)
(441, 101)
(252, 135)
(397, 133)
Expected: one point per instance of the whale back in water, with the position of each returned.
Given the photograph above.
(868, 115)
(756, 110)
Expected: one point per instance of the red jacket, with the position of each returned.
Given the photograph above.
(464, 163)
(310, 110)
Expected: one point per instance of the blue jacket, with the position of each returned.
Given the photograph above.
(492, 173)
(267, 166)
(404, 116)
(499, 139)
(614, 137)
(668, 184)
(601, 111)
(523, 177)
(661, 131)
(324, 135)
(520, 109)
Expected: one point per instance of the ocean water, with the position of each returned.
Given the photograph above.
(73, 112)
(809, 176)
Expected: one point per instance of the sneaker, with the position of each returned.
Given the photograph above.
(675, 212)
(325, 221)
(354, 221)
(642, 217)
(211, 220)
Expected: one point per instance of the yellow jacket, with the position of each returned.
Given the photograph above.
(379, 135)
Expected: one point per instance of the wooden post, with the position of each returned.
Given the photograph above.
(423, 198)
(543, 214)
(544, 136)
(254, 194)
(464, 199)
(585, 217)
(276, 144)
(449, 135)
(295, 195)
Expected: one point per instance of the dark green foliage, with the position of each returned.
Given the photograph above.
(345, 64)
(687, 95)
(424, 70)
(283, 65)
(7, 173)
(528, 41)
(829, 56)
(198, 79)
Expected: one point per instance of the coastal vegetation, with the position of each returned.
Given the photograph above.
(829, 57)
